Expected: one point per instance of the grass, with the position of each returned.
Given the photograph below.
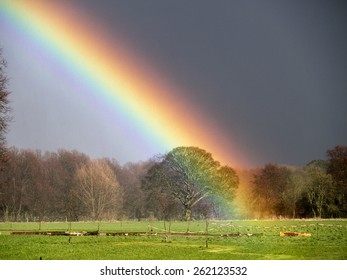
(328, 241)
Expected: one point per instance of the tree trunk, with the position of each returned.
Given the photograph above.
(314, 212)
(188, 218)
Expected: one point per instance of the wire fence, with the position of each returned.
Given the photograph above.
(218, 228)
(336, 228)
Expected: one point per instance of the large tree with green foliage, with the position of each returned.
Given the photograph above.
(190, 174)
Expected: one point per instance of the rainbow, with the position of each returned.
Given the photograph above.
(118, 76)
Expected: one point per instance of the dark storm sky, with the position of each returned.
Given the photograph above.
(273, 73)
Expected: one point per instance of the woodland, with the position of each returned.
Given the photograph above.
(69, 185)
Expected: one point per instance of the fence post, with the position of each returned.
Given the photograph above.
(206, 228)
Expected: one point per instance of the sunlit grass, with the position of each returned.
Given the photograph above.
(328, 241)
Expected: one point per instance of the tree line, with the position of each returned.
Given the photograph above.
(317, 190)
(186, 183)
(69, 185)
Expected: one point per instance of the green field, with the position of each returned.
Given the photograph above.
(328, 241)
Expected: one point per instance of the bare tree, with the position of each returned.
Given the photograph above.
(243, 203)
(5, 109)
(23, 173)
(62, 169)
(319, 188)
(269, 186)
(129, 177)
(98, 189)
(337, 168)
(294, 191)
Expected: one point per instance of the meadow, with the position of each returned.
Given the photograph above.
(238, 240)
